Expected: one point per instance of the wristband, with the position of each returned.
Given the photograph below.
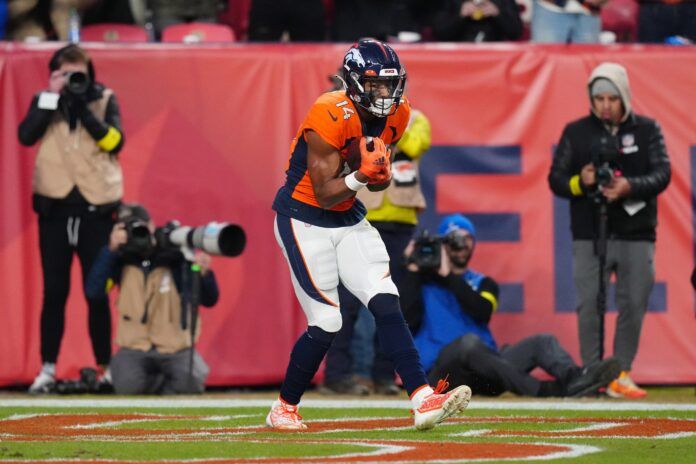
(353, 183)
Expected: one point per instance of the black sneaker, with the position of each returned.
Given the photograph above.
(594, 377)
(344, 387)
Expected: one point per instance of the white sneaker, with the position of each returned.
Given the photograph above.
(42, 383)
(284, 416)
(437, 406)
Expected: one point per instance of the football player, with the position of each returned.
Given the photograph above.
(322, 231)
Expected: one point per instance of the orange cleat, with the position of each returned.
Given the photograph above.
(438, 406)
(625, 387)
(284, 416)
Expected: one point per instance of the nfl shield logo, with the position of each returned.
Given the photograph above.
(627, 140)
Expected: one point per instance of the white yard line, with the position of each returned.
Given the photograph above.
(188, 402)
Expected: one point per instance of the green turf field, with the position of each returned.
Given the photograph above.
(230, 429)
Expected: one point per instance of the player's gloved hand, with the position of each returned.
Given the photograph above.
(373, 162)
(384, 176)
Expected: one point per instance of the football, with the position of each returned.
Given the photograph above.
(351, 154)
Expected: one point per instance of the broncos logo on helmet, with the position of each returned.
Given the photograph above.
(374, 77)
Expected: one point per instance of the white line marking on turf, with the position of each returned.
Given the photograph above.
(589, 428)
(179, 403)
(574, 452)
(471, 433)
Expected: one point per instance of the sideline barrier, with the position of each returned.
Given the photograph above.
(208, 130)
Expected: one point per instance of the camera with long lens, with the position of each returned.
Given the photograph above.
(427, 252)
(215, 238)
(77, 82)
(604, 159)
(139, 239)
(87, 383)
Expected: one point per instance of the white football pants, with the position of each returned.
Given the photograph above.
(320, 257)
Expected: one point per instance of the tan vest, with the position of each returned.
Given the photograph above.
(67, 159)
(409, 196)
(162, 327)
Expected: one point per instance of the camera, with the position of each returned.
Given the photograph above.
(87, 383)
(427, 252)
(215, 238)
(427, 249)
(77, 82)
(139, 241)
(604, 159)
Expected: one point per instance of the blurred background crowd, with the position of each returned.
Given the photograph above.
(542, 21)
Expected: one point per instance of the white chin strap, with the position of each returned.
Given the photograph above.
(382, 107)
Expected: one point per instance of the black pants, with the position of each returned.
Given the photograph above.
(657, 21)
(339, 363)
(302, 19)
(59, 239)
(469, 361)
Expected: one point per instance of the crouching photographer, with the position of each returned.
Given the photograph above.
(448, 307)
(161, 282)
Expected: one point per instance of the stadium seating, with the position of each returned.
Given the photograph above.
(111, 32)
(621, 18)
(198, 33)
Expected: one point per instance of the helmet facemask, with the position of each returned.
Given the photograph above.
(380, 96)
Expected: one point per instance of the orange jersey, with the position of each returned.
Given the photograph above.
(335, 119)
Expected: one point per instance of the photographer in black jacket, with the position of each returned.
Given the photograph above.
(77, 187)
(448, 307)
(638, 172)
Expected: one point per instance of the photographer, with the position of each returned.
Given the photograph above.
(448, 307)
(154, 325)
(615, 161)
(77, 187)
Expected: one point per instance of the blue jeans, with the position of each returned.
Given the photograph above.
(555, 27)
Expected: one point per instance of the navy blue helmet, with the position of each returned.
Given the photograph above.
(374, 77)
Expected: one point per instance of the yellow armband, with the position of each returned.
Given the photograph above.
(575, 188)
(110, 140)
(490, 297)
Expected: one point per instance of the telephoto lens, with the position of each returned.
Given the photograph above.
(78, 82)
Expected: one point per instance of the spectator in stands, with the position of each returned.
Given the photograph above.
(394, 213)
(28, 19)
(114, 12)
(77, 187)
(449, 309)
(154, 323)
(477, 21)
(629, 152)
(301, 20)
(566, 21)
(169, 12)
(381, 19)
(661, 19)
(3, 18)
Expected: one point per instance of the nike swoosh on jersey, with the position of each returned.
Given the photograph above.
(332, 116)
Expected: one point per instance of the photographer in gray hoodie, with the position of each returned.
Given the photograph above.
(615, 157)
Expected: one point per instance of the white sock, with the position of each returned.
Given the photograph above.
(420, 395)
(49, 368)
